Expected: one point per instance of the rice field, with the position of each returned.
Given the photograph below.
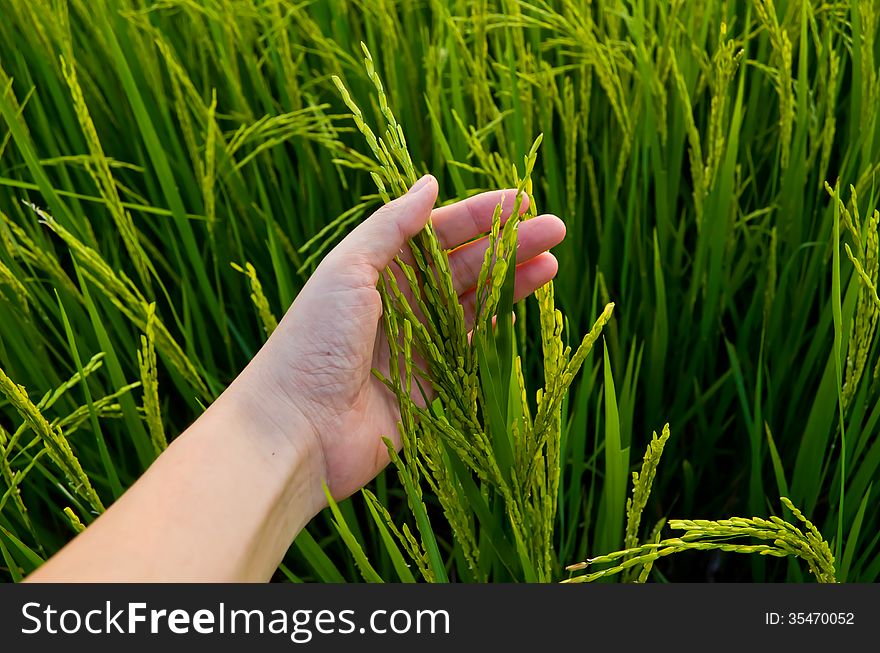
(694, 398)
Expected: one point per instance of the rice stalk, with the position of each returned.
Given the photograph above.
(103, 178)
(127, 298)
(7, 278)
(785, 539)
(268, 320)
(53, 439)
(75, 522)
(150, 384)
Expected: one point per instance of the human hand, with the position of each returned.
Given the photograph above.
(305, 410)
(315, 368)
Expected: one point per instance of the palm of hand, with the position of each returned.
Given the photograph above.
(323, 351)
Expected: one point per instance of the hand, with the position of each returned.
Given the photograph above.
(315, 368)
(227, 497)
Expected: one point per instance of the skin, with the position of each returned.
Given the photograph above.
(229, 495)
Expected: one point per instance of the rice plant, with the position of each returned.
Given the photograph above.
(172, 171)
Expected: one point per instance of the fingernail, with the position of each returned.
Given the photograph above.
(421, 183)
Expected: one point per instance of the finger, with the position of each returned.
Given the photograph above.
(529, 277)
(533, 237)
(378, 239)
(460, 222)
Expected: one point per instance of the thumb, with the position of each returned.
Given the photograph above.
(379, 238)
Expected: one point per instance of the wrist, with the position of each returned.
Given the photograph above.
(281, 437)
(272, 462)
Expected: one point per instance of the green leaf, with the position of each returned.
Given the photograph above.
(316, 558)
(397, 559)
(351, 542)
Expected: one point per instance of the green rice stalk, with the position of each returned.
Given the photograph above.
(405, 537)
(649, 565)
(258, 297)
(784, 539)
(106, 406)
(21, 246)
(209, 167)
(7, 278)
(781, 75)
(103, 178)
(11, 478)
(642, 483)
(127, 298)
(53, 439)
(75, 522)
(150, 384)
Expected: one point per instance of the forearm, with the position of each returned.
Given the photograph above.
(223, 503)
